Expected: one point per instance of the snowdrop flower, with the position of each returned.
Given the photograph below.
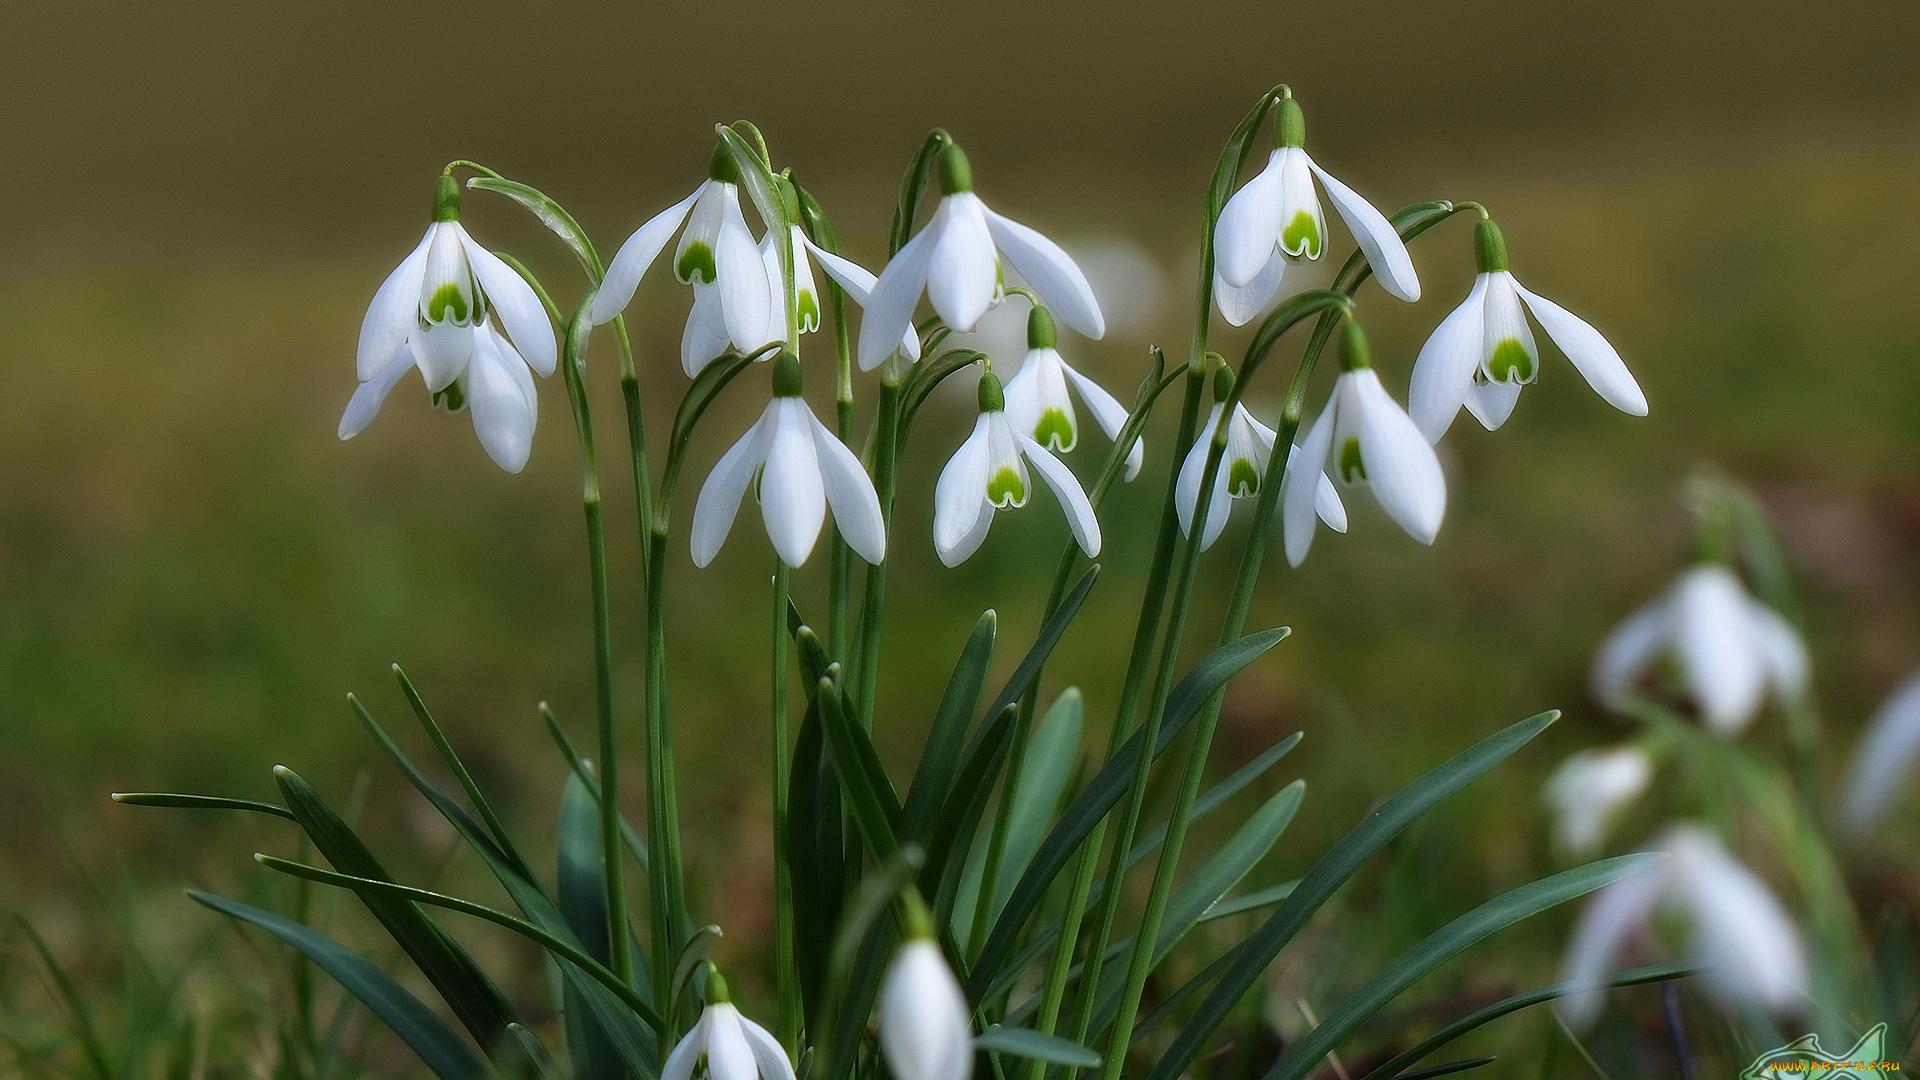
(956, 260)
(1483, 353)
(1744, 942)
(735, 1048)
(1242, 470)
(857, 282)
(1728, 648)
(989, 472)
(441, 311)
(733, 292)
(926, 1028)
(1037, 401)
(1274, 219)
(1588, 789)
(802, 470)
(1363, 438)
(1885, 756)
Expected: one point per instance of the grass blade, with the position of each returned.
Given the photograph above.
(876, 809)
(940, 758)
(200, 802)
(582, 899)
(1036, 1046)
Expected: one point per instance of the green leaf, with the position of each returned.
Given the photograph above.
(911, 188)
(1449, 1068)
(1248, 960)
(856, 964)
(757, 176)
(433, 1039)
(1253, 901)
(74, 1003)
(1044, 775)
(582, 898)
(700, 394)
(551, 214)
(1036, 1046)
(1444, 944)
(876, 809)
(200, 802)
(940, 757)
(475, 798)
(584, 773)
(816, 852)
(928, 374)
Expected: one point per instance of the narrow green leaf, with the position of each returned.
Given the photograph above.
(1253, 901)
(1449, 1068)
(700, 394)
(79, 1014)
(1036, 1046)
(1050, 758)
(694, 951)
(940, 758)
(816, 852)
(475, 798)
(551, 214)
(584, 773)
(959, 819)
(756, 175)
(582, 899)
(433, 1039)
(860, 946)
(876, 809)
(911, 188)
(1250, 958)
(200, 802)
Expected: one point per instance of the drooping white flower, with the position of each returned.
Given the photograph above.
(802, 469)
(1588, 789)
(1744, 942)
(1242, 470)
(1363, 438)
(956, 260)
(1883, 760)
(857, 282)
(989, 473)
(1483, 353)
(1038, 402)
(734, 1047)
(441, 311)
(1275, 218)
(1729, 649)
(733, 293)
(926, 1029)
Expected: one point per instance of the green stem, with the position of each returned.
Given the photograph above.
(663, 824)
(786, 974)
(885, 452)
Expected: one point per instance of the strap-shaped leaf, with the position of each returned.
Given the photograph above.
(582, 897)
(200, 802)
(940, 758)
(876, 809)
(1444, 944)
(433, 1039)
(816, 854)
(1252, 901)
(1449, 1068)
(1036, 1046)
(1245, 963)
(1044, 775)
(550, 213)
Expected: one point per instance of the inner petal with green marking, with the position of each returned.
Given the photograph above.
(1007, 488)
(1242, 478)
(696, 264)
(807, 308)
(1511, 362)
(1301, 236)
(452, 398)
(1353, 470)
(449, 301)
(1054, 429)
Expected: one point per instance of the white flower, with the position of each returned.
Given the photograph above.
(1728, 648)
(802, 469)
(989, 472)
(956, 259)
(1362, 437)
(1275, 218)
(1242, 470)
(857, 282)
(926, 1029)
(1481, 354)
(1038, 404)
(441, 310)
(1744, 942)
(717, 256)
(735, 1048)
(1882, 760)
(1588, 789)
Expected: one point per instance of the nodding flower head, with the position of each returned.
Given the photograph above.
(1039, 404)
(989, 472)
(733, 1047)
(926, 1028)
(1242, 470)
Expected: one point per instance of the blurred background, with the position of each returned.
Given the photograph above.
(203, 197)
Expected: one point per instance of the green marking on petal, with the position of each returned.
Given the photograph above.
(1054, 425)
(1352, 469)
(447, 301)
(1242, 478)
(1511, 362)
(1301, 236)
(1006, 489)
(452, 398)
(808, 307)
(696, 264)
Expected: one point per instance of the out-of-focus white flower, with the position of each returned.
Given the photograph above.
(1728, 649)
(1883, 760)
(926, 1029)
(1481, 354)
(735, 1048)
(1362, 438)
(1744, 942)
(1588, 789)
(956, 260)
(803, 469)
(441, 310)
(989, 473)
(1038, 402)
(1275, 219)
(1242, 470)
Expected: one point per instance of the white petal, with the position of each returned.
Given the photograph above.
(1718, 658)
(394, 312)
(1186, 486)
(720, 496)
(1245, 237)
(729, 1057)
(1110, 415)
(1882, 760)
(515, 304)
(634, 257)
(1443, 372)
(1591, 354)
(1066, 488)
(1616, 913)
(741, 276)
(1326, 498)
(856, 507)
(1050, 272)
(366, 401)
(846, 273)
(441, 351)
(767, 1051)
(1298, 502)
(960, 499)
(1386, 252)
(793, 497)
(1298, 197)
(686, 1054)
(1241, 304)
(889, 309)
(1587, 789)
(1038, 387)
(1630, 650)
(776, 283)
(804, 287)
(1743, 939)
(1781, 650)
(1492, 403)
(963, 273)
(926, 1028)
(1402, 469)
(501, 397)
(699, 345)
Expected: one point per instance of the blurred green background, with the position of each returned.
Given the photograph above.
(202, 198)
